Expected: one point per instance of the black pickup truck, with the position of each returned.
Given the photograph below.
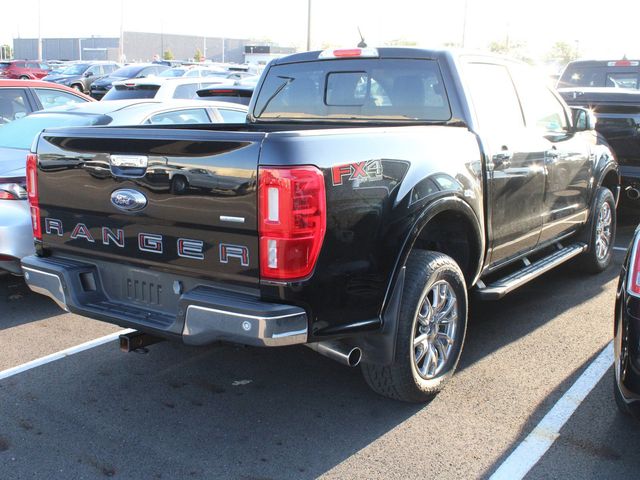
(368, 193)
(617, 111)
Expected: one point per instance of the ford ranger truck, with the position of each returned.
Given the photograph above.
(369, 192)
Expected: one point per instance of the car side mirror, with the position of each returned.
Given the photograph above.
(583, 119)
(88, 74)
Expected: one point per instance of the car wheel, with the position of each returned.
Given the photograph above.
(24, 77)
(602, 235)
(78, 87)
(431, 330)
(179, 185)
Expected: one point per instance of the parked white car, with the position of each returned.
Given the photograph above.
(16, 240)
(162, 88)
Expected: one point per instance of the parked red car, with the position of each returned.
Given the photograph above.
(21, 97)
(23, 69)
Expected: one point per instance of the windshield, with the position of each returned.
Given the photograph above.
(127, 72)
(77, 69)
(173, 72)
(359, 89)
(21, 133)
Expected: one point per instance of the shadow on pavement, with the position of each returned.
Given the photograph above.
(219, 412)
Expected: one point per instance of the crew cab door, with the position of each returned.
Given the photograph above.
(567, 160)
(514, 162)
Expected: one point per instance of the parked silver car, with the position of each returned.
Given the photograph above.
(16, 239)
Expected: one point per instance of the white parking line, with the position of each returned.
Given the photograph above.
(531, 450)
(620, 249)
(61, 354)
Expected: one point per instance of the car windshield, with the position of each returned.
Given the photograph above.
(5, 64)
(127, 72)
(173, 72)
(362, 89)
(124, 92)
(21, 133)
(77, 69)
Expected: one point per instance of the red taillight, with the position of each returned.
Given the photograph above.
(32, 194)
(292, 220)
(633, 283)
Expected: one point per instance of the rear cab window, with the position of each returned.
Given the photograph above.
(387, 89)
(618, 74)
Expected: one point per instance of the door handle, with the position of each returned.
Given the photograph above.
(551, 156)
(502, 159)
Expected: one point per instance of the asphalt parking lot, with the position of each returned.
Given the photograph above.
(233, 412)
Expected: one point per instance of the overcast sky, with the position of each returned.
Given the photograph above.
(598, 29)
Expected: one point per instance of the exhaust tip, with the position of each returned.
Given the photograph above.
(354, 357)
(633, 193)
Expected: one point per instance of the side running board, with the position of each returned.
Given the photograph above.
(501, 287)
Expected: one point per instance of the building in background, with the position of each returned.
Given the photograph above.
(258, 56)
(141, 46)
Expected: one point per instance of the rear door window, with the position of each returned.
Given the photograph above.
(494, 96)
(13, 104)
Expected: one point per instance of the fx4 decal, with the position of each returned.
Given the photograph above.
(368, 171)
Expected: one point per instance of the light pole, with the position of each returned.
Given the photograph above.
(464, 22)
(308, 25)
(39, 36)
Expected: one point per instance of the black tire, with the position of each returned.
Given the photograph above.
(24, 77)
(594, 260)
(78, 87)
(622, 405)
(402, 379)
(179, 185)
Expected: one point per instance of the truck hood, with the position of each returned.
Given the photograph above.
(13, 162)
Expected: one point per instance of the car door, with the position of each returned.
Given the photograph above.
(567, 160)
(514, 162)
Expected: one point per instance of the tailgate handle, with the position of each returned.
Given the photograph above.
(128, 165)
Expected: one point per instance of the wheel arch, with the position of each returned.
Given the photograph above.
(445, 216)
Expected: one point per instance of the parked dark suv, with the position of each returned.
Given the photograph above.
(81, 75)
(23, 69)
(100, 87)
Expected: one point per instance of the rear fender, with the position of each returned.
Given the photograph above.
(379, 347)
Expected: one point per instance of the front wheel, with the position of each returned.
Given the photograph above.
(603, 233)
(431, 330)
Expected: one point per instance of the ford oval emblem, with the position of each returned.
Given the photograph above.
(128, 200)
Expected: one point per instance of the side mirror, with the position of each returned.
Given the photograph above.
(88, 74)
(583, 119)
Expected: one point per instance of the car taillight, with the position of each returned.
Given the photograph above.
(633, 283)
(32, 194)
(12, 189)
(292, 217)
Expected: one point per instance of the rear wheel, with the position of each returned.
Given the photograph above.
(431, 330)
(24, 77)
(602, 234)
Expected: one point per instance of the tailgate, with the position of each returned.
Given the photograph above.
(180, 201)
